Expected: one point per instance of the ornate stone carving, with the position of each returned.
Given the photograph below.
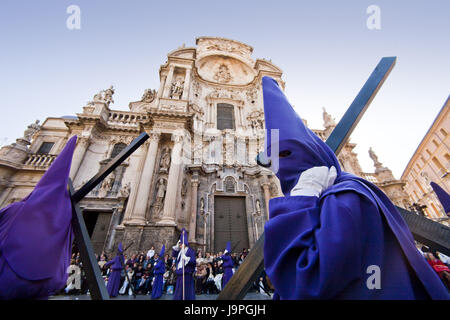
(184, 187)
(226, 46)
(197, 89)
(177, 88)
(104, 96)
(252, 95)
(164, 163)
(31, 130)
(374, 157)
(125, 191)
(258, 207)
(328, 121)
(223, 74)
(107, 185)
(148, 96)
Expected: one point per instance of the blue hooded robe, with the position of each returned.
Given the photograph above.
(227, 266)
(117, 265)
(160, 269)
(36, 235)
(332, 246)
(189, 268)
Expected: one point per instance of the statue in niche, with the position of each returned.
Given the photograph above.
(125, 191)
(177, 88)
(31, 130)
(184, 187)
(202, 205)
(161, 193)
(107, 185)
(164, 164)
(223, 74)
(258, 207)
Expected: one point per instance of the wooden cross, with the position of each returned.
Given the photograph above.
(94, 279)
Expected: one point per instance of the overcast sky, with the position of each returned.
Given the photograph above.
(325, 49)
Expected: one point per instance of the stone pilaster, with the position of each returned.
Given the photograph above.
(266, 189)
(168, 83)
(78, 155)
(193, 222)
(168, 217)
(143, 192)
(187, 82)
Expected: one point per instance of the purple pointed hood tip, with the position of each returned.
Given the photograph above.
(37, 243)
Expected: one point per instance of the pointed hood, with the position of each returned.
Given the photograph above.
(36, 233)
(228, 248)
(443, 196)
(163, 249)
(307, 150)
(185, 241)
(120, 248)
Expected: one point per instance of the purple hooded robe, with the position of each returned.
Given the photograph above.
(334, 246)
(227, 265)
(36, 235)
(117, 265)
(189, 293)
(160, 268)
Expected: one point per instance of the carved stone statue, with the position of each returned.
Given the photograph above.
(184, 187)
(104, 96)
(223, 75)
(125, 191)
(149, 95)
(108, 95)
(258, 207)
(161, 192)
(31, 130)
(165, 160)
(202, 205)
(177, 88)
(107, 185)
(374, 157)
(328, 121)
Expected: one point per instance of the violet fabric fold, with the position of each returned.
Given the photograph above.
(36, 235)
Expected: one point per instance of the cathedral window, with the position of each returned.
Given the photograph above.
(229, 185)
(45, 148)
(225, 116)
(117, 149)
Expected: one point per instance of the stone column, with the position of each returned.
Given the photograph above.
(193, 222)
(187, 82)
(78, 156)
(168, 217)
(266, 189)
(161, 86)
(168, 83)
(143, 191)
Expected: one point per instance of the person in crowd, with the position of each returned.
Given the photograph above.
(114, 277)
(151, 252)
(333, 234)
(210, 286)
(185, 262)
(138, 273)
(159, 270)
(227, 265)
(200, 278)
(441, 269)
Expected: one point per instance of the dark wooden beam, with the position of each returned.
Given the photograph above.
(82, 240)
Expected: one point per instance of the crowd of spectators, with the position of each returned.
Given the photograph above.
(140, 266)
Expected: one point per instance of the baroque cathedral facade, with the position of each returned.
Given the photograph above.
(196, 171)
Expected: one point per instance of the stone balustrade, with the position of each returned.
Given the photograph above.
(371, 177)
(39, 160)
(126, 119)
